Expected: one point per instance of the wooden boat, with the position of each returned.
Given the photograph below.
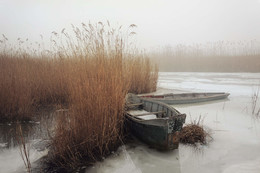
(153, 122)
(186, 98)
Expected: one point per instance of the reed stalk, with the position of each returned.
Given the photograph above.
(23, 148)
(255, 107)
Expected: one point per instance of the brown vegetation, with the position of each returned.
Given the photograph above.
(194, 133)
(90, 74)
(210, 57)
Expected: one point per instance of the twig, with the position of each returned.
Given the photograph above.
(24, 149)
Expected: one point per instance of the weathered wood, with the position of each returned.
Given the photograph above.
(161, 129)
(134, 104)
(187, 98)
(149, 113)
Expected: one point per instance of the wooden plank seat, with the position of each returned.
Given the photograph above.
(142, 114)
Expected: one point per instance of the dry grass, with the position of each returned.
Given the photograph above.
(94, 121)
(139, 70)
(255, 102)
(194, 133)
(27, 83)
(90, 74)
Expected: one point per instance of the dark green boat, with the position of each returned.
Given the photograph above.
(187, 98)
(153, 122)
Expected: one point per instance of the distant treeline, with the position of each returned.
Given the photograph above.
(209, 64)
(217, 58)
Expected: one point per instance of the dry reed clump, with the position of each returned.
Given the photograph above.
(194, 133)
(30, 79)
(94, 124)
(15, 95)
(90, 74)
(27, 83)
(139, 70)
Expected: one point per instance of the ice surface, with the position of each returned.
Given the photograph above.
(235, 83)
(138, 158)
(11, 160)
(236, 135)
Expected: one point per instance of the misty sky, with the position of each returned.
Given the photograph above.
(160, 22)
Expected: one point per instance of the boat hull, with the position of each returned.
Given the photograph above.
(156, 136)
(186, 99)
(161, 132)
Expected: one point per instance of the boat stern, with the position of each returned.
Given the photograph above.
(175, 125)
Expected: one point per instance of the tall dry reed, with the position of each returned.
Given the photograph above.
(27, 83)
(90, 73)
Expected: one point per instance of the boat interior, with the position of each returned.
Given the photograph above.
(146, 109)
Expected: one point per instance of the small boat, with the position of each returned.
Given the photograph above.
(186, 98)
(153, 122)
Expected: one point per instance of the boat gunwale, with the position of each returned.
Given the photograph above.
(165, 119)
(154, 97)
(206, 97)
(161, 103)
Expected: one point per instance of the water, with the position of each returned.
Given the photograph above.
(236, 133)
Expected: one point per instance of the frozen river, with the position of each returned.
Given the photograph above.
(236, 134)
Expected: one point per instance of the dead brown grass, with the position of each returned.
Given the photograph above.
(194, 133)
(27, 83)
(90, 74)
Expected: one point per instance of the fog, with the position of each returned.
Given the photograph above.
(160, 22)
